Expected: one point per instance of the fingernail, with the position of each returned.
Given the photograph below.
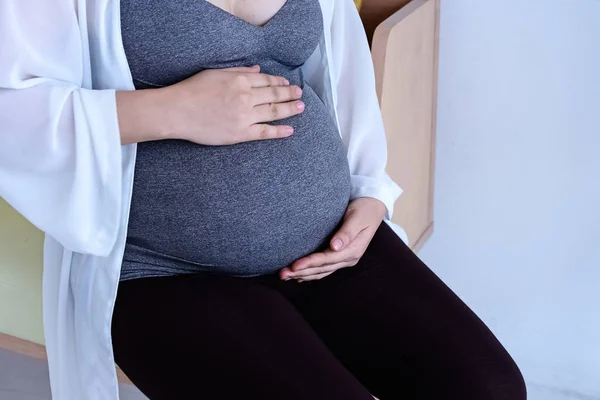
(286, 82)
(337, 244)
(300, 105)
(298, 91)
(289, 130)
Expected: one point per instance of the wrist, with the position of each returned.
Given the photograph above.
(380, 207)
(161, 113)
(143, 115)
(369, 203)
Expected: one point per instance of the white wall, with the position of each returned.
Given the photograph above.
(518, 180)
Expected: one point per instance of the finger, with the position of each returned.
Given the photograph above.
(264, 80)
(328, 257)
(255, 68)
(315, 277)
(277, 111)
(303, 274)
(264, 131)
(353, 225)
(276, 94)
(335, 267)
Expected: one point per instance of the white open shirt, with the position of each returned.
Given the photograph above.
(62, 165)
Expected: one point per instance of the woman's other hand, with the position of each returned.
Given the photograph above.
(213, 107)
(362, 218)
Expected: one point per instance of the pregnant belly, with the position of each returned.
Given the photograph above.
(246, 209)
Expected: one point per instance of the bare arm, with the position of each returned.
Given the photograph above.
(142, 116)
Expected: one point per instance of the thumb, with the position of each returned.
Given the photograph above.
(254, 68)
(350, 229)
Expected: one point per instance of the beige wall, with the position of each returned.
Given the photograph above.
(20, 276)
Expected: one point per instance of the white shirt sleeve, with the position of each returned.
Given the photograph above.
(60, 151)
(360, 119)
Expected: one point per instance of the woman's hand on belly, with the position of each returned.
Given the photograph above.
(222, 107)
(213, 107)
(362, 218)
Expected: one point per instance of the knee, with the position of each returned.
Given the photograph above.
(507, 383)
(515, 385)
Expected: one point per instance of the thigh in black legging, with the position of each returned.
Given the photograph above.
(211, 337)
(404, 334)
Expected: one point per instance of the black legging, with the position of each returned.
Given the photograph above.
(387, 327)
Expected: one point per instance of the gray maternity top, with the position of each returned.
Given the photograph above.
(247, 209)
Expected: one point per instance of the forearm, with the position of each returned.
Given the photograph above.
(143, 116)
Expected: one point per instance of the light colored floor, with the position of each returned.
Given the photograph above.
(23, 378)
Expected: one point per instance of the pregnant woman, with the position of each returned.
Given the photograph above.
(210, 176)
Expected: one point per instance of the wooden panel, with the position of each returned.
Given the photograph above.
(434, 109)
(405, 59)
(374, 12)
